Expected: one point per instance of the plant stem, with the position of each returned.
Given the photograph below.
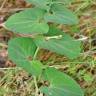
(36, 86)
(34, 57)
(35, 81)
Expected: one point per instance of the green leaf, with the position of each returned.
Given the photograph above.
(62, 44)
(28, 21)
(21, 51)
(46, 4)
(40, 3)
(54, 31)
(75, 29)
(60, 84)
(63, 1)
(61, 15)
(37, 67)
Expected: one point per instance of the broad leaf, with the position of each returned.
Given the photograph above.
(46, 4)
(28, 21)
(60, 84)
(21, 51)
(62, 44)
(40, 3)
(61, 15)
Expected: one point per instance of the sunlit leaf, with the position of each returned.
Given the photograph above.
(21, 52)
(59, 42)
(40, 3)
(60, 84)
(61, 15)
(28, 21)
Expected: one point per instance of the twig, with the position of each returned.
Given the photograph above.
(7, 68)
(11, 68)
(59, 66)
(12, 10)
(3, 4)
(3, 45)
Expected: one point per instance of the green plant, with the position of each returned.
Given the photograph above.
(40, 25)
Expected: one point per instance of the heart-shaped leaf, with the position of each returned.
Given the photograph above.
(62, 44)
(28, 21)
(60, 84)
(21, 52)
(61, 15)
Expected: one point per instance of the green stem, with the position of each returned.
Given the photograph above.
(35, 81)
(36, 86)
(35, 55)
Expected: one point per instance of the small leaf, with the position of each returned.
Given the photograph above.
(54, 31)
(60, 84)
(28, 21)
(36, 67)
(88, 78)
(61, 15)
(21, 51)
(62, 44)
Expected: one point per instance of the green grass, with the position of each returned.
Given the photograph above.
(15, 81)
